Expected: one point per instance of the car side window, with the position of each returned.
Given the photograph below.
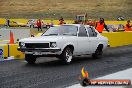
(92, 32)
(82, 32)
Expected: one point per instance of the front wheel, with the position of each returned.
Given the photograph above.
(67, 55)
(30, 58)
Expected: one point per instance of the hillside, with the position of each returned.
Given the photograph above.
(109, 9)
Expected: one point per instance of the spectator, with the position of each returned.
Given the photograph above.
(101, 25)
(61, 21)
(7, 22)
(39, 23)
(128, 26)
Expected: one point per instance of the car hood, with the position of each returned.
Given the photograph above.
(41, 39)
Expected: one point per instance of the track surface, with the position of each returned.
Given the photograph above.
(52, 73)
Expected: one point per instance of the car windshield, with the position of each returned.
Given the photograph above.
(62, 30)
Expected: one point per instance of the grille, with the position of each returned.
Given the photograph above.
(37, 45)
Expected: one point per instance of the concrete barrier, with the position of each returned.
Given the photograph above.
(2, 21)
(18, 33)
(119, 38)
(10, 50)
(14, 52)
(115, 38)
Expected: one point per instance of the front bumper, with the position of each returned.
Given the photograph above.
(38, 49)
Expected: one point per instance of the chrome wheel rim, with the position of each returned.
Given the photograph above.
(68, 55)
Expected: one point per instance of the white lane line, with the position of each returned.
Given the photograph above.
(7, 59)
(24, 61)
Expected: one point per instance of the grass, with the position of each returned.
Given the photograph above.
(53, 9)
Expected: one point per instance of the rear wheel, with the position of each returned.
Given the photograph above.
(98, 53)
(67, 55)
(30, 58)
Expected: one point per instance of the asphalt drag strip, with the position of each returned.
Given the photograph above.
(52, 73)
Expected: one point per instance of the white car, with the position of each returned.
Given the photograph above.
(64, 42)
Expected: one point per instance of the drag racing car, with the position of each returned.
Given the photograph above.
(64, 42)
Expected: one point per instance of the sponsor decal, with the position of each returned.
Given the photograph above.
(86, 81)
(1, 52)
(1, 55)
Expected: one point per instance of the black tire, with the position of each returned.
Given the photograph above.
(67, 55)
(30, 58)
(98, 53)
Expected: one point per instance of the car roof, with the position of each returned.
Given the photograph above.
(72, 24)
(87, 25)
(77, 25)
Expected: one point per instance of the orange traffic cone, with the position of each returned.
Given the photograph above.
(11, 38)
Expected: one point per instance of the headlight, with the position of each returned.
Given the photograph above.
(22, 44)
(53, 44)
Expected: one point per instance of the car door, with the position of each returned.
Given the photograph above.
(83, 40)
(93, 39)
